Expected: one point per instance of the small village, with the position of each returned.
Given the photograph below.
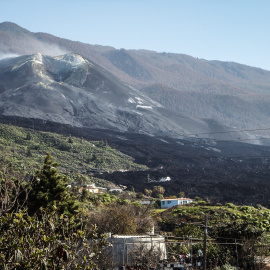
(158, 250)
(117, 226)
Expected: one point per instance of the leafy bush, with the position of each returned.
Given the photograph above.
(50, 242)
(225, 267)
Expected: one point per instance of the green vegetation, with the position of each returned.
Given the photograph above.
(49, 190)
(40, 227)
(237, 235)
(25, 149)
(44, 225)
(127, 218)
(219, 216)
(158, 192)
(51, 242)
(228, 220)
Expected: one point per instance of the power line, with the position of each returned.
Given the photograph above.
(185, 138)
(183, 238)
(230, 131)
(243, 140)
(210, 146)
(185, 142)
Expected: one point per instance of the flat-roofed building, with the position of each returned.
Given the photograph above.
(168, 203)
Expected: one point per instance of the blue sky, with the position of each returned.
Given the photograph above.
(227, 30)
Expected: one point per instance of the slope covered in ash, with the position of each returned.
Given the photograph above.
(233, 94)
(70, 90)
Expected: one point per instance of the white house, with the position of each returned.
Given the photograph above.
(145, 201)
(165, 179)
(168, 203)
(116, 189)
(93, 189)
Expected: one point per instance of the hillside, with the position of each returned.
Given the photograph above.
(225, 171)
(231, 93)
(25, 149)
(71, 90)
(72, 95)
(238, 235)
(244, 111)
(218, 217)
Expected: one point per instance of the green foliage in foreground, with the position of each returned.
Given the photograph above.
(246, 220)
(25, 149)
(49, 233)
(227, 214)
(51, 242)
(238, 235)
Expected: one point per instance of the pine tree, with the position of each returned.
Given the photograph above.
(51, 190)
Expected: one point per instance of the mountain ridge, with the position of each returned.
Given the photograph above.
(36, 89)
(71, 90)
(231, 89)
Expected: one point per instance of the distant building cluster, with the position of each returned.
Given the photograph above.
(98, 190)
(162, 179)
(165, 179)
(93, 189)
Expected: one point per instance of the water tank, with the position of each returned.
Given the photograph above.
(130, 249)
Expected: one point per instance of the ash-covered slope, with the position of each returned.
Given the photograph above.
(70, 90)
(230, 93)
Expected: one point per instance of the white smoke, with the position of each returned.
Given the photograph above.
(8, 55)
(32, 46)
(47, 49)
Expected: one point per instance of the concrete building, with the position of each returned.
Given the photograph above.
(126, 248)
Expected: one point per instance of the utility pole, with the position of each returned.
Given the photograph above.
(236, 254)
(204, 243)
(191, 261)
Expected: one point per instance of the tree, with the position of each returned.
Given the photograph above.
(50, 190)
(147, 192)
(123, 219)
(28, 136)
(158, 190)
(181, 194)
(70, 139)
(139, 195)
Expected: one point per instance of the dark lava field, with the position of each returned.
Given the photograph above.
(218, 172)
